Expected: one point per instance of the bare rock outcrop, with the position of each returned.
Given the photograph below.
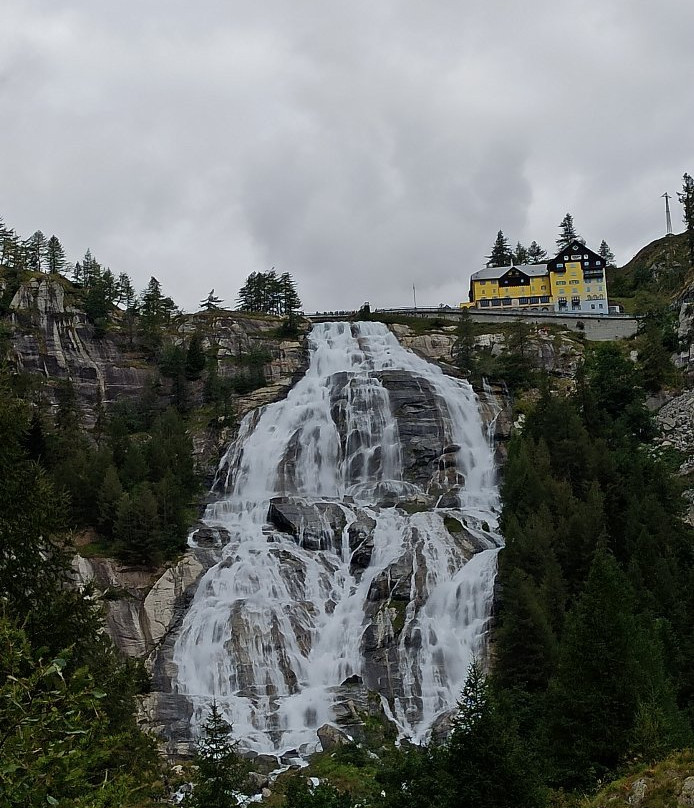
(141, 606)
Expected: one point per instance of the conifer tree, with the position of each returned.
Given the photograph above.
(521, 256)
(222, 774)
(567, 233)
(501, 255)
(195, 358)
(485, 762)
(686, 198)
(606, 253)
(211, 302)
(289, 298)
(35, 247)
(594, 696)
(126, 291)
(536, 255)
(525, 641)
(55, 255)
(464, 345)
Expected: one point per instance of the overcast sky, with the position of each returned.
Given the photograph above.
(361, 145)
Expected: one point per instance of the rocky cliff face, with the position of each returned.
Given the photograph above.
(53, 340)
(558, 353)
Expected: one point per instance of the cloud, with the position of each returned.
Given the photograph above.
(363, 147)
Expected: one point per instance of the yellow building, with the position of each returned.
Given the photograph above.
(574, 281)
(512, 287)
(578, 280)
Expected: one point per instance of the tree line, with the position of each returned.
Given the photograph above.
(503, 255)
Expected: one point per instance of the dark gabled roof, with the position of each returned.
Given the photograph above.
(575, 248)
(495, 273)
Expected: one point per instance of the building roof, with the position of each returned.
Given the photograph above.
(494, 273)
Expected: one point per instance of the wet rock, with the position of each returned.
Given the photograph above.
(450, 498)
(361, 557)
(331, 737)
(206, 536)
(361, 542)
(420, 418)
(317, 527)
(394, 581)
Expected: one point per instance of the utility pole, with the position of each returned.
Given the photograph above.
(414, 297)
(668, 220)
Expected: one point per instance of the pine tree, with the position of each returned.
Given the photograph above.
(594, 696)
(606, 254)
(464, 345)
(501, 255)
(567, 233)
(137, 527)
(521, 256)
(485, 762)
(55, 255)
(525, 644)
(222, 775)
(36, 251)
(269, 293)
(211, 302)
(91, 269)
(290, 300)
(536, 255)
(126, 291)
(686, 198)
(195, 358)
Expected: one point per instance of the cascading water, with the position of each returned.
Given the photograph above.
(341, 560)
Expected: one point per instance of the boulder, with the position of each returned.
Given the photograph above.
(686, 795)
(331, 737)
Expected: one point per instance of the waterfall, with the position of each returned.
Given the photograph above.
(361, 539)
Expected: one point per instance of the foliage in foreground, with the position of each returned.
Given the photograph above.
(67, 729)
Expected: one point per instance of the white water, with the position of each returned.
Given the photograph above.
(274, 626)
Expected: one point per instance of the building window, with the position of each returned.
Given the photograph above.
(544, 298)
(543, 288)
(523, 301)
(484, 303)
(507, 301)
(496, 302)
(482, 283)
(599, 305)
(534, 299)
(592, 305)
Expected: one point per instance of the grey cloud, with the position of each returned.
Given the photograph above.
(361, 146)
